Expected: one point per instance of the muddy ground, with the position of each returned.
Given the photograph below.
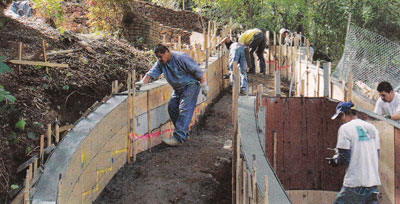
(197, 172)
(59, 94)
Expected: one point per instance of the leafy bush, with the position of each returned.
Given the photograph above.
(52, 10)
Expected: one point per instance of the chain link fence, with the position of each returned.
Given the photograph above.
(370, 58)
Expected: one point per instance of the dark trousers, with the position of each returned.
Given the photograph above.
(181, 108)
(257, 46)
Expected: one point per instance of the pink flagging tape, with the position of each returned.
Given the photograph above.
(154, 134)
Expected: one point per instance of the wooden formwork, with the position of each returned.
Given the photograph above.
(298, 132)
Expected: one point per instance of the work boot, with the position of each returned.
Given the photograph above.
(243, 92)
(171, 141)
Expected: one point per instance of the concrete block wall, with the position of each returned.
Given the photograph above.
(174, 18)
(141, 29)
(96, 148)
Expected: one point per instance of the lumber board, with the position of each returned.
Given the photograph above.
(37, 63)
(386, 161)
(397, 164)
(311, 196)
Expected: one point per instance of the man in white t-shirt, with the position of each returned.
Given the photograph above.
(358, 147)
(388, 104)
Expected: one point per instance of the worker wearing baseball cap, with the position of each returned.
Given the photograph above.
(358, 148)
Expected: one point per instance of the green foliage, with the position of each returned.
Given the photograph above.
(6, 96)
(324, 22)
(21, 125)
(66, 87)
(3, 67)
(51, 9)
(106, 15)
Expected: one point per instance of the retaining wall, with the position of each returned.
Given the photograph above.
(295, 133)
(96, 148)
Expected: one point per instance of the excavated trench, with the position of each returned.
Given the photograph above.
(197, 172)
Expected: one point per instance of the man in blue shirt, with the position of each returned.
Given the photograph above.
(185, 76)
(237, 56)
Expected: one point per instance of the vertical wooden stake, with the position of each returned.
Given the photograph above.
(134, 122)
(41, 149)
(164, 39)
(149, 118)
(30, 169)
(59, 194)
(235, 98)
(255, 180)
(327, 80)
(57, 133)
(245, 194)
(351, 84)
(183, 4)
(249, 186)
(344, 90)
(269, 53)
(129, 104)
(266, 198)
(259, 97)
(45, 55)
(179, 43)
(48, 134)
(318, 78)
(35, 167)
(308, 83)
(275, 147)
(27, 188)
(19, 56)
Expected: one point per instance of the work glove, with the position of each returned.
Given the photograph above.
(204, 89)
(139, 85)
(388, 116)
(333, 161)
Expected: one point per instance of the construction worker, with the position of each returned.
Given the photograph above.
(256, 41)
(388, 104)
(186, 78)
(357, 147)
(285, 35)
(237, 56)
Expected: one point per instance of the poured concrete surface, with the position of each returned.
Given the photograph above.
(251, 145)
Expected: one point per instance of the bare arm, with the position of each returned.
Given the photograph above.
(396, 116)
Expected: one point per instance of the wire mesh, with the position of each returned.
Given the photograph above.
(371, 58)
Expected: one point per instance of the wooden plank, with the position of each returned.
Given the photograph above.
(36, 63)
(66, 127)
(386, 161)
(266, 196)
(27, 163)
(327, 79)
(48, 135)
(149, 118)
(41, 149)
(129, 105)
(19, 55)
(397, 164)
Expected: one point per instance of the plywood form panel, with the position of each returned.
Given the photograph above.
(386, 161)
(311, 197)
(397, 164)
(304, 131)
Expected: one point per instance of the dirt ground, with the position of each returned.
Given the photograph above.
(61, 94)
(197, 172)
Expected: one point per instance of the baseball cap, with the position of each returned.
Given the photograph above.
(282, 30)
(342, 107)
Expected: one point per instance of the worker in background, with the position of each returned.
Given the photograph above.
(237, 56)
(186, 78)
(358, 148)
(288, 38)
(388, 104)
(285, 37)
(256, 41)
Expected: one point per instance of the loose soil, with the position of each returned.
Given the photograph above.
(199, 171)
(61, 94)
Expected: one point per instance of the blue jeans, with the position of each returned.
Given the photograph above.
(357, 195)
(237, 54)
(181, 108)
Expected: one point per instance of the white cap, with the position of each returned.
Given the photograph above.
(282, 30)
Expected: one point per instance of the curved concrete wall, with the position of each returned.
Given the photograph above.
(96, 148)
